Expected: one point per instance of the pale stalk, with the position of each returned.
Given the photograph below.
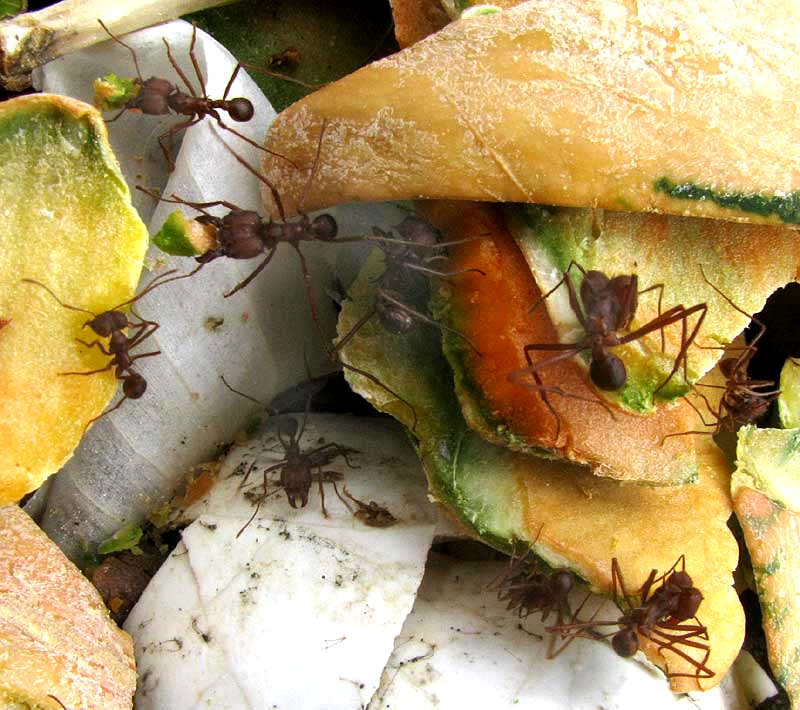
(35, 38)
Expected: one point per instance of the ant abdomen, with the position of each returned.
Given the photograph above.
(240, 110)
(625, 642)
(134, 386)
(608, 374)
(417, 230)
(393, 318)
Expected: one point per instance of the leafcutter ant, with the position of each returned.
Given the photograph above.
(743, 400)
(528, 589)
(113, 324)
(604, 307)
(658, 612)
(298, 468)
(159, 97)
(409, 261)
(372, 514)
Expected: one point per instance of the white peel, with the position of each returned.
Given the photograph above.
(299, 611)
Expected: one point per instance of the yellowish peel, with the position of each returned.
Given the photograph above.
(579, 103)
(68, 223)
(56, 636)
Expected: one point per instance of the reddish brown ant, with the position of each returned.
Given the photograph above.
(604, 306)
(743, 400)
(298, 468)
(408, 262)
(112, 324)
(656, 613)
(159, 97)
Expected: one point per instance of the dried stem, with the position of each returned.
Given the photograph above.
(35, 38)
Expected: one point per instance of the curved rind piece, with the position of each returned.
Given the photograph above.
(56, 636)
(565, 514)
(627, 106)
(67, 223)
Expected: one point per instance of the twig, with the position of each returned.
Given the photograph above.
(35, 38)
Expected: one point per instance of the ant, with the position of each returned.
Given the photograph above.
(372, 514)
(604, 306)
(297, 466)
(528, 589)
(743, 400)
(664, 603)
(112, 324)
(408, 263)
(4, 322)
(244, 234)
(159, 97)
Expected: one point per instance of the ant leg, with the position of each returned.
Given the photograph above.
(196, 66)
(95, 343)
(89, 372)
(442, 274)
(255, 273)
(376, 381)
(314, 166)
(267, 72)
(111, 120)
(702, 308)
(322, 494)
(128, 47)
(253, 143)
(660, 288)
(168, 133)
(312, 301)
(564, 278)
(426, 319)
(272, 189)
(102, 414)
(349, 336)
(177, 68)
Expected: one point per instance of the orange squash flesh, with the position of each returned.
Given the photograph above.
(493, 312)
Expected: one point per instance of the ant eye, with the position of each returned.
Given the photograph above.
(240, 109)
(608, 374)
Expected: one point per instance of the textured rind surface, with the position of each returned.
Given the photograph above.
(56, 636)
(493, 312)
(567, 515)
(68, 223)
(768, 460)
(659, 249)
(789, 398)
(574, 103)
(772, 536)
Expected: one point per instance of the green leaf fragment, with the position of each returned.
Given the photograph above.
(124, 539)
(181, 236)
(9, 8)
(112, 92)
(789, 398)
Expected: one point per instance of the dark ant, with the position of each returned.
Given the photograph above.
(529, 590)
(244, 234)
(743, 400)
(604, 306)
(112, 324)
(297, 467)
(408, 263)
(159, 97)
(659, 616)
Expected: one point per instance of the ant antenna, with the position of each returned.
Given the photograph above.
(128, 47)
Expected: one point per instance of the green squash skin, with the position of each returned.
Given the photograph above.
(786, 207)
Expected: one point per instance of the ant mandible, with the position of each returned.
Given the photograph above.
(158, 97)
(112, 324)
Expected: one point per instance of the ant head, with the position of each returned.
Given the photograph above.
(417, 230)
(625, 642)
(240, 110)
(134, 385)
(240, 234)
(324, 227)
(152, 99)
(609, 373)
(688, 603)
(296, 481)
(682, 580)
(107, 323)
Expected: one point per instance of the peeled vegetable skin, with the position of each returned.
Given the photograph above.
(69, 224)
(652, 105)
(493, 312)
